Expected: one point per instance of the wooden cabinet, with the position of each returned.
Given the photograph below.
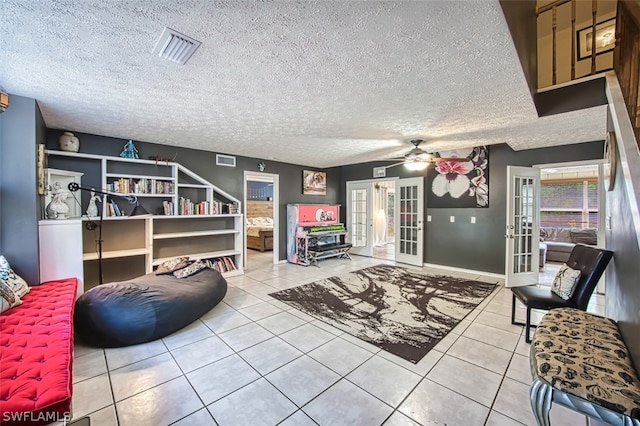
(188, 219)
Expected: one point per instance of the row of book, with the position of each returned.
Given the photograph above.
(187, 207)
(113, 209)
(221, 264)
(141, 186)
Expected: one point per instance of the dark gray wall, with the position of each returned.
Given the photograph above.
(21, 126)
(522, 22)
(479, 246)
(622, 292)
(229, 179)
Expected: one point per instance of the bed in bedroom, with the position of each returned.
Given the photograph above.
(260, 233)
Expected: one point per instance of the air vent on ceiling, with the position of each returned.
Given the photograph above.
(174, 46)
(225, 160)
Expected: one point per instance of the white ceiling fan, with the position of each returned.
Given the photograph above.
(418, 159)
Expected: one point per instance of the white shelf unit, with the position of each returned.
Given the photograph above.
(199, 237)
(138, 244)
(126, 249)
(185, 183)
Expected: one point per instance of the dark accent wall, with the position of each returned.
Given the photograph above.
(229, 179)
(622, 294)
(585, 94)
(20, 127)
(522, 22)
(478, 246)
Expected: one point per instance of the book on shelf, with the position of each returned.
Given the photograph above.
(141, 186)
(167, 207)
(187, 207)
(113, 209)
(221, 264)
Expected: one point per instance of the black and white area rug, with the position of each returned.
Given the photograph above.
(402, 311)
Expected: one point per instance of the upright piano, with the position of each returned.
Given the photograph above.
(319, 238)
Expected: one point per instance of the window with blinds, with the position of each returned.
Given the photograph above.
(569, 203)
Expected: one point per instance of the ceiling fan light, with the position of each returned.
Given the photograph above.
(416, 166)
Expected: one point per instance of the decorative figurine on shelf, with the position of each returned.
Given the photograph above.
(92, 210)
(130, 151)
(58, 208)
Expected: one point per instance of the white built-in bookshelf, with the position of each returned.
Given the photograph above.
(191, 217)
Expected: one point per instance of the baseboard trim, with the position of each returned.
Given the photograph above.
(468, 271)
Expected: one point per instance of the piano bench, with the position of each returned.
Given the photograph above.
(329, 250)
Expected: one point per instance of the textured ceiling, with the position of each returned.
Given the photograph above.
(313, 83)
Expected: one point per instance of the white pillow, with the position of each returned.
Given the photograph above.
(8, 299)
(12, 280)
(565, 282)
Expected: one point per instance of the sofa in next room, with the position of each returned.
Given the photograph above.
(559, 241)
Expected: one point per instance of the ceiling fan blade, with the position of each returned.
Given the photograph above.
(393, 165)
(449, 159)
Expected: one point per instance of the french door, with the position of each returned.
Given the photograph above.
(523, 226)
(409, 221)
(360, 217)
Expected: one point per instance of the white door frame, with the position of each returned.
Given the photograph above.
(269, 177)
(522, 239)
(367, 249)
(602, 202)
(417, 229)
(370, 212)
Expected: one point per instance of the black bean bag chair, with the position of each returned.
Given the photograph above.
(145, 308)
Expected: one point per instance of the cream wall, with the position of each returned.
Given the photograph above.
(606, 9)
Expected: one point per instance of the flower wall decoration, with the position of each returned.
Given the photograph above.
(460, 183)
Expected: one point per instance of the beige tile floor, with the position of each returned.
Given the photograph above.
(253, 360)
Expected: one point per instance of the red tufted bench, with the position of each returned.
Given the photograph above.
(36, 355)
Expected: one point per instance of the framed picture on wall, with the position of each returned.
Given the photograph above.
(605, 38)
(314, 183)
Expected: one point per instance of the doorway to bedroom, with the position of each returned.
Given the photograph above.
(261, 219)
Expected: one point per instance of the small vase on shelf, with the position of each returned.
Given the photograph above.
(69, 142)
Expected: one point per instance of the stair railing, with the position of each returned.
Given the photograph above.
(558, 26)
(626, 59)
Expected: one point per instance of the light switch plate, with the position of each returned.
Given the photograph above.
(428, 218)
(452, 219)
(473, 219)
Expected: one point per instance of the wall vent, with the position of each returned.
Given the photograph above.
(175, 47)
(225, 160)
(379, 172)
